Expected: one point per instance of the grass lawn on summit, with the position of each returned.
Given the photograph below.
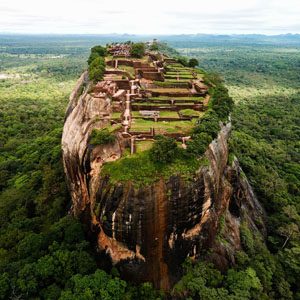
(162, 127)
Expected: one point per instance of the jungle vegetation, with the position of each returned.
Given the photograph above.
(262, 76)
(46, 254)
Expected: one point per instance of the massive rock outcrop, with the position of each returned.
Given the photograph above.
(147, 232)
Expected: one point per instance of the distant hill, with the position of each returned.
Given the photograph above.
(108, 38)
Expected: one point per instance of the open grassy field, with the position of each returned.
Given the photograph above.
(162, 126)
(170, 90)
(163, 114)
(128, 69)
(198, 99)
(143, 146)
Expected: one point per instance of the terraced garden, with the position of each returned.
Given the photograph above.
(158, 103)
(153, 95)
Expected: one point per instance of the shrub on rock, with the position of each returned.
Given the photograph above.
(164, 150)
(97, 69)
(102, 137)
(193, 62)
(137, 50)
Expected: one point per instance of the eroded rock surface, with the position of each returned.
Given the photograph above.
(149, 231)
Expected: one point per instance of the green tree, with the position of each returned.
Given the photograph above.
(101, 51)
(290, 260)
(290, 231)
(146, 292)
(193, 62)
(154, 47)
(137, 50)
(198, 145)
(102, 137)
(96, 286)
(208, 124)
(183, 60)
(164, 150)
(92, 57)
(4, 286)
(96, 52)
(97, 69)
(202, 281)
(244, 284)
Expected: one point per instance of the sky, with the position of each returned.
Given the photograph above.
(150, 17)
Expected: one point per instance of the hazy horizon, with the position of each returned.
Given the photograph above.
(271, 17)
(153, 35)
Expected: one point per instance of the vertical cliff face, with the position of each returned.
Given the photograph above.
(82, 163)
(149, 231)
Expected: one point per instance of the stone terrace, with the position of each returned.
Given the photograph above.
(151, 95)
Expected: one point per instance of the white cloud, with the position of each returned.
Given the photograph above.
(150, 17)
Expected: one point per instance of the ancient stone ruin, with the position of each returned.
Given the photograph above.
(133, 87)
(148, 231)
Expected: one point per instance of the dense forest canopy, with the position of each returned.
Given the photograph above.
(44, 253)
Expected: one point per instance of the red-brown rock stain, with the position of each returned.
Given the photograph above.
(155, 232)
